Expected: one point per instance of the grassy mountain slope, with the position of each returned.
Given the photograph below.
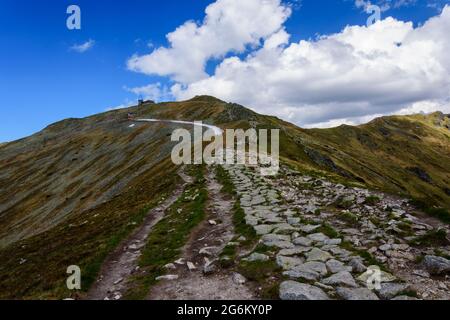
(69, 193)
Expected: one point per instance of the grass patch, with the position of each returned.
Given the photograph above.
(440, 213)
(224, 178)
(266, 274)
(241, 227)
(348, 217)
(372, 200)
(329, 231)
(432, 238)
(169, 235)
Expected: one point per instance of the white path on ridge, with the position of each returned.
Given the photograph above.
(217, 131)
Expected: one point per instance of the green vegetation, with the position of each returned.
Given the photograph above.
(439, 213)
(432, 238)
(329, 231)
(348, 217)
(372, 200)
(84, 240)
(265, 274)
(168, 236)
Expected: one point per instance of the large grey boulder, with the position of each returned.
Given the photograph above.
(390, 290)
(436, 265)
(291, 290)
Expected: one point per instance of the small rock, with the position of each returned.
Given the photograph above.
(169, 277)
(207, 251)
(212, 222)
(291, 290)
(357, 265)
(209, 268)
(118, 281)
(191, 266)
(239, 278)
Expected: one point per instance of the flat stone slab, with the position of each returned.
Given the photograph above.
(291, 290)
(318, 237)
(343, 278)
(302, 241)
(390, 290)
(335, 266)
(294, 252)
(263, 229)
(318, 255)
(257, 257)
(288, 263)
(358, 294)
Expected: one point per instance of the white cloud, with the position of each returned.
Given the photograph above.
(81, 48)
(385, 5)
(349, 77)
(153, 91)
(229, 25)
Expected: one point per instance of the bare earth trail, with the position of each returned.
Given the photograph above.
(204, 246)
(122, 262)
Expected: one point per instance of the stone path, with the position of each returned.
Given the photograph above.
(328, 237)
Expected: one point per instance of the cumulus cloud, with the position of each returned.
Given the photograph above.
(229, 25)
(154, 91)
(81, 48)
(349, 77)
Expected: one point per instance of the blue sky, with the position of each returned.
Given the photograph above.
(43, 79)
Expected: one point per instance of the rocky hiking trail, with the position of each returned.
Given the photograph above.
(327, 237)
(196, 275)
(123, 261)
(324, 238)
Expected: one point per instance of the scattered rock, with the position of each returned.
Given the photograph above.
(357, 265)
(191, 266)
(169, 277)
(239, 278)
